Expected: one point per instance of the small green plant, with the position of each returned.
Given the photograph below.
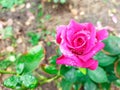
(23, 78)
(40, 13)
(7, 32)
(34, 38)
(10, 3)
(58, 1)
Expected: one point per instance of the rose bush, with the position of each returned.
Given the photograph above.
(79, 42)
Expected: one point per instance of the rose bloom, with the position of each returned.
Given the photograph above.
(79, 42)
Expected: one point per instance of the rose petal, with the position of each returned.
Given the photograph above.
(75, 26)
(72, 28)
(65, 50)
(91, 64)
(97, 47)
(60, 29)
(74, 61)
(102, 34)
(91, 42)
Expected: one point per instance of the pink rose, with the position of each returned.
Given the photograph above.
(79, 42)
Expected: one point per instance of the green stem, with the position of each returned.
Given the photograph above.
(40, 77)
(49, 80)
(7, 72)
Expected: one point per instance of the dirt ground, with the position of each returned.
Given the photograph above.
(102, 13)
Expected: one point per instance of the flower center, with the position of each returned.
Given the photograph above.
(79, 42)
(78, 52)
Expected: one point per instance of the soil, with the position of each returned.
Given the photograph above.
(24, 19)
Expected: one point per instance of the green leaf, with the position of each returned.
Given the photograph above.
(55, 1)
(112, 45)
(66, 85)
(117, 83)
(110, 73)
(29, 81)
(83, 70)
(12, 82)
(117, 68)
(20, 68)
(6, 3)
(50, 69)
(4, 64)
(32, 59)
(71, 75)
(48, 16)
(52, 60)
(98, 75)
(8, 32)
(89, 85)
(49, 44)
(64, 69)
(105, 86)
(10, 3)
(77, 86)
(34, 38)
(40, 14)
(81, 78)
(62, 1)
(103, 59)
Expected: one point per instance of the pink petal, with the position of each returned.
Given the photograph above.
(74, 61)
(102, 34)
(71, 61)
(65, 50)
(91, 42)
(75, 26)
(91, 64)
(60, 29)
(97, 48)
(72, 28)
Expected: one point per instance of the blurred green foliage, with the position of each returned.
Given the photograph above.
(10, 3)
(58, 1)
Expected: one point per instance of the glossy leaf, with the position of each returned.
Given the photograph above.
(12, 82)
(98, 75)
(112, 45)
(29, 81)
(110, 73)
(4, 64)
(32, 59)
(52, 60)
(103, 59)
(71, 75)
(20, 68)
(50, 69)
(105, 86)
(64, 69)
(89, 85)
(66, 85)
(80, 77)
